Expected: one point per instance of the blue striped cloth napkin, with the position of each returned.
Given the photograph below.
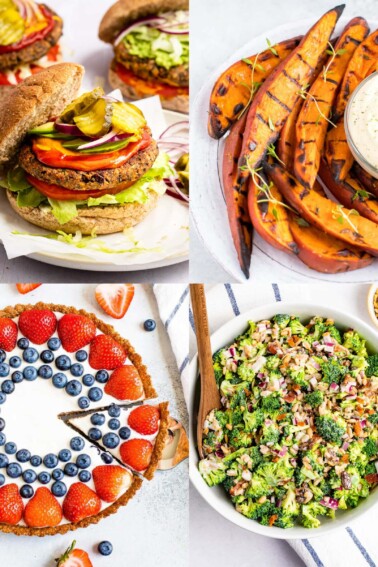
(353, 546)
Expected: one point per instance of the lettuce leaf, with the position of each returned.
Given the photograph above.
(30, 197)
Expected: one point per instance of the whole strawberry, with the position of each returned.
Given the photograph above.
(125, 384)
(37, 325)
(106, 353)
(136, 453)
(8, 334)
(145, 420)
(74, 557)
(111, 481)
(43, 510)
(80, 502)
(11, 505)
(75, 331)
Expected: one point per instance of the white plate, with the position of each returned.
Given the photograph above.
(208, 208)
(216, 496)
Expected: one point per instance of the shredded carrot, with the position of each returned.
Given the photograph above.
(345, 458)
(281, 416)
(358, 429)
(272, 519)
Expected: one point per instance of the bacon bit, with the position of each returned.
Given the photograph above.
(372, 478)
(360, 410)
(300, 423)
(290, 397)
(272, 519)
(291, 341)
(273, 348)
(247, 392)
(358, 429)
(275, 459)
(360, 400)
(281, 416)
(345, 458)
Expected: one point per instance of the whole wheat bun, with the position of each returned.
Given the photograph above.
(125, 12)
(178, 103)
(34, 101)
(102, 220)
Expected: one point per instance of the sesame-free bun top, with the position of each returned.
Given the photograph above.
(34, 102)
(125, 12)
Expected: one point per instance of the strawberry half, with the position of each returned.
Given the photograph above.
(26, 287)
(111, 481)
(145, 420)
(75, 331)
(37, 325)
(8, 334)
(80, 502)
(115, 299)
(43, 510)
(11, 505)
(106, 353)
(74, 557)
(125, 384)
(136, 453)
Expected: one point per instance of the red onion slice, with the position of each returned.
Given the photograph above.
(146, 21)
(111, 136)
(69, 129)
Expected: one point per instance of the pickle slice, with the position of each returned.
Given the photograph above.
(182, 168)
(12, 26)
(127, 117)
(5, 4)
(81, 105)
(97, 121)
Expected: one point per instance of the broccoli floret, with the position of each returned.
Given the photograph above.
(255, 510)
(284, 520)
(370, 469)
(357, 454)
(275, 473)
(213, 470)
(314, 399)
(270, 403)
(270, 434)
(218, 365)
(281, 320)
(335, 333)
(297, 328)
(238, 437)
(310, 512)
(239, 399)
(317, 329)
(272, 362)
(355, 343)
(370, 448)
(254, 420)
(329, 429)
(333, 371)
(299, 377)
(221, 417)
(289, 502)
(245, 372)
(373, 418)
(258, 487)
(372, 369)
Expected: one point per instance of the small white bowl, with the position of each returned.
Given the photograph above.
(216, 496)
(370, 303)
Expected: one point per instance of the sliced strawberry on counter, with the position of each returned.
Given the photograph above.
(75, 331)
(43, 510)
(8, 334)
(11, 505)
(74, 557)
(125, 384)
(115, 299)
(27, 287)
(80, 502)
(111, 481)
(136, 453)
(37, 325)
(106, 353)
(145, 420)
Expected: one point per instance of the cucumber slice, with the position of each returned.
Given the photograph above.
(127, 117)
(81, 105)
(109, 147)
(12, 26)
(47, 128)
(97, 121)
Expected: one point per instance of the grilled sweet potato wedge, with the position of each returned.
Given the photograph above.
(313, 120)
(325, 253)
(317, 210)
(368, 181)
(336, 151)
(276, 98)
(232, 90)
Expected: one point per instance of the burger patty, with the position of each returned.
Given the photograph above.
(100, 179)
(34, 51)
(148, 70)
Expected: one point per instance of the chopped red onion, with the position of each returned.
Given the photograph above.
(345, 446)
(334, 386)
(363, 423)
(69, 129)
(283, 451)
(143, 21)
(232, 351)
(329, 502)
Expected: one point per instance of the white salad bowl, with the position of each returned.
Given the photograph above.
(216, 496)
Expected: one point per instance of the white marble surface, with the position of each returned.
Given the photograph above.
(220, 27)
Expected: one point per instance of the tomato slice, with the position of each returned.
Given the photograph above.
(148, 87)
(17, 75)
(52, 153)
(62, 194)
(33, 37)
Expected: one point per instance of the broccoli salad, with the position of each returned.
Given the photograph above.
(296, 438)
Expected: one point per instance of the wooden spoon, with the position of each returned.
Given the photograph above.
(210, 398)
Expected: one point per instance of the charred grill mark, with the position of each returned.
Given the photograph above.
(304, 61)
(278, 101)
(310, 122)
(293, 246)
(215, 109)
(262, 119)
(222, 90)
(238, 108)
(304, 194)
(352, 39)
(292, 182)
(292, 79)
(328, 80)
(302, 158)
(309, 141)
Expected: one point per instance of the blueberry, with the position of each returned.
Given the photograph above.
(3, 355)
(85, 476)
(81, 356)
(2, 479)
(70, 469)
(63, 362)
(44, 477)
(54, 343)
(3, 397)
(77, 370)
(59, 380)
(30, 355)
(10, 448)
(88, 380)
(83, 461)
(15, 361)
(105, 548)
(73, 388)
(4, 370)
(106, 458)
(23, 343)
(102, 376)
(149, 325)
(124, 433)
(50, 461)
(114, 411)
(94, 434)
(2, 439)
(110, 440)
(26, 491)
(45, 372)
(23, 455)
(30, 373)
(114, 424)
(29, 476)
(97, 419)
(35, 460)
(47, 356)
(2, 423)
(14, 470)
(83, 402)
(7, 387)
(58, 489)
(17, 377)
(3, 461)
(94, 394)
(65, 455)
(77, 444)
(57, 474)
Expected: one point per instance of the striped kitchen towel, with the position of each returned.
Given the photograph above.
(355, 546)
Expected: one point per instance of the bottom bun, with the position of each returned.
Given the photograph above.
(178, 103)
(101, 220)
